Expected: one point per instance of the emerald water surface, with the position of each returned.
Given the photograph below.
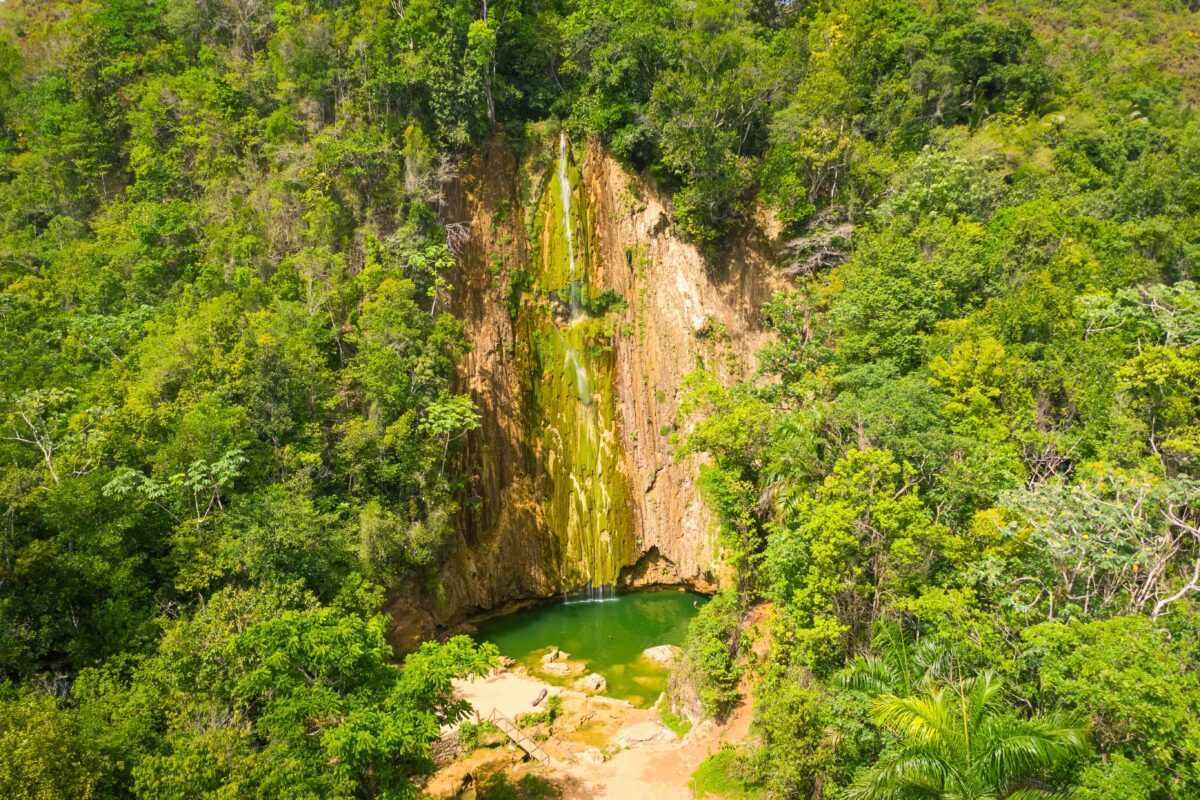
(608, 636)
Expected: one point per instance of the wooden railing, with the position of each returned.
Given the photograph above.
(518, 738)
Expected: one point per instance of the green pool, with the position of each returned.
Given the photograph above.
(609, 636)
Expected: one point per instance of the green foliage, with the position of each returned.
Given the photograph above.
(898, 665)
(960, 741)
(1126, 529)
(227, 395)
(978, 419)
(722, 775)
(711, 653)
(474, 735)
(46, 756)
(804, 735)
(1118, 778)
(862, 537)
(546, 716)
(680, 725)
(1139, 687)
(229, 405)
(295, 694)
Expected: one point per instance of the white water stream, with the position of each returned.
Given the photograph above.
(590, 592)
(564, 190)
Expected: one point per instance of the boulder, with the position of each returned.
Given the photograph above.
(591, 683)
(643, 733)
(562, 668)
(664, 655)
(555, 655)
(592, 755)
(701, 730)
(445, 750)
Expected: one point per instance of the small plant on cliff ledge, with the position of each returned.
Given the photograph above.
(680, 725)
(474, 735)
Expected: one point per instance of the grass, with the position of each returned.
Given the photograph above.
(719, 777)
(528, 787)
(678, 724)
(471, 734)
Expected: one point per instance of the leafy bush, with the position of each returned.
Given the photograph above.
(724, 774)
(710, 653)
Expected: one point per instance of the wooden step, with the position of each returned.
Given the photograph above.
(510, 729)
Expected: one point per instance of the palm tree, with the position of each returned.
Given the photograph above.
(900, 665)
(961, 742)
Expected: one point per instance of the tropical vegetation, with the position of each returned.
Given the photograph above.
(963, 481)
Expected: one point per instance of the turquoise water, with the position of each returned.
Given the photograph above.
(607, 636)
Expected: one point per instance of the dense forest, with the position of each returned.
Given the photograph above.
(964, 479)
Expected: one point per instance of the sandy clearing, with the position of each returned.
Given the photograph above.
(508, 693)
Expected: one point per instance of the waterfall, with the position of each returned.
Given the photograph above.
(578, 427)
(583, 384)
(564, 191)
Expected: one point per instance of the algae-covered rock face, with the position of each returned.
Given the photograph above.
(572, 474)
(565, 351)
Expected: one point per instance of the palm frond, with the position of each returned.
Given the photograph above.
(1033, 794)
(1017, 748)
(868, 674)
(907, 776)
(961, 741)
(924, 717)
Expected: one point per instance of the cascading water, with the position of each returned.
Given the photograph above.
(564, 192)
(587, 507)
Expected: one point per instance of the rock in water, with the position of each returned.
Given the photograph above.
(591, 683)
(562, 668)
(664, 654)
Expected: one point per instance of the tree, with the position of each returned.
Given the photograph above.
(45, 755)
(40, 418)
(268, 693)
(899, 664)
(710, 656)
(451, 416)
(860, 538)
(1108, 543)
(708, 111)
(960, 742)
(1135, 680)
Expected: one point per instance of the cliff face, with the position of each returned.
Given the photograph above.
(584, 313)
(683, 314)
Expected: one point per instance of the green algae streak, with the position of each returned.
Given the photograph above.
(566, 356)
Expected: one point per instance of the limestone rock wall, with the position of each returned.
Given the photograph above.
(681, 313)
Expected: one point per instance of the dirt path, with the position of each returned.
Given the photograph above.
(660, 771)
(604, 749)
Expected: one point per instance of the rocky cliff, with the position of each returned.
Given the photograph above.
(584, 313)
